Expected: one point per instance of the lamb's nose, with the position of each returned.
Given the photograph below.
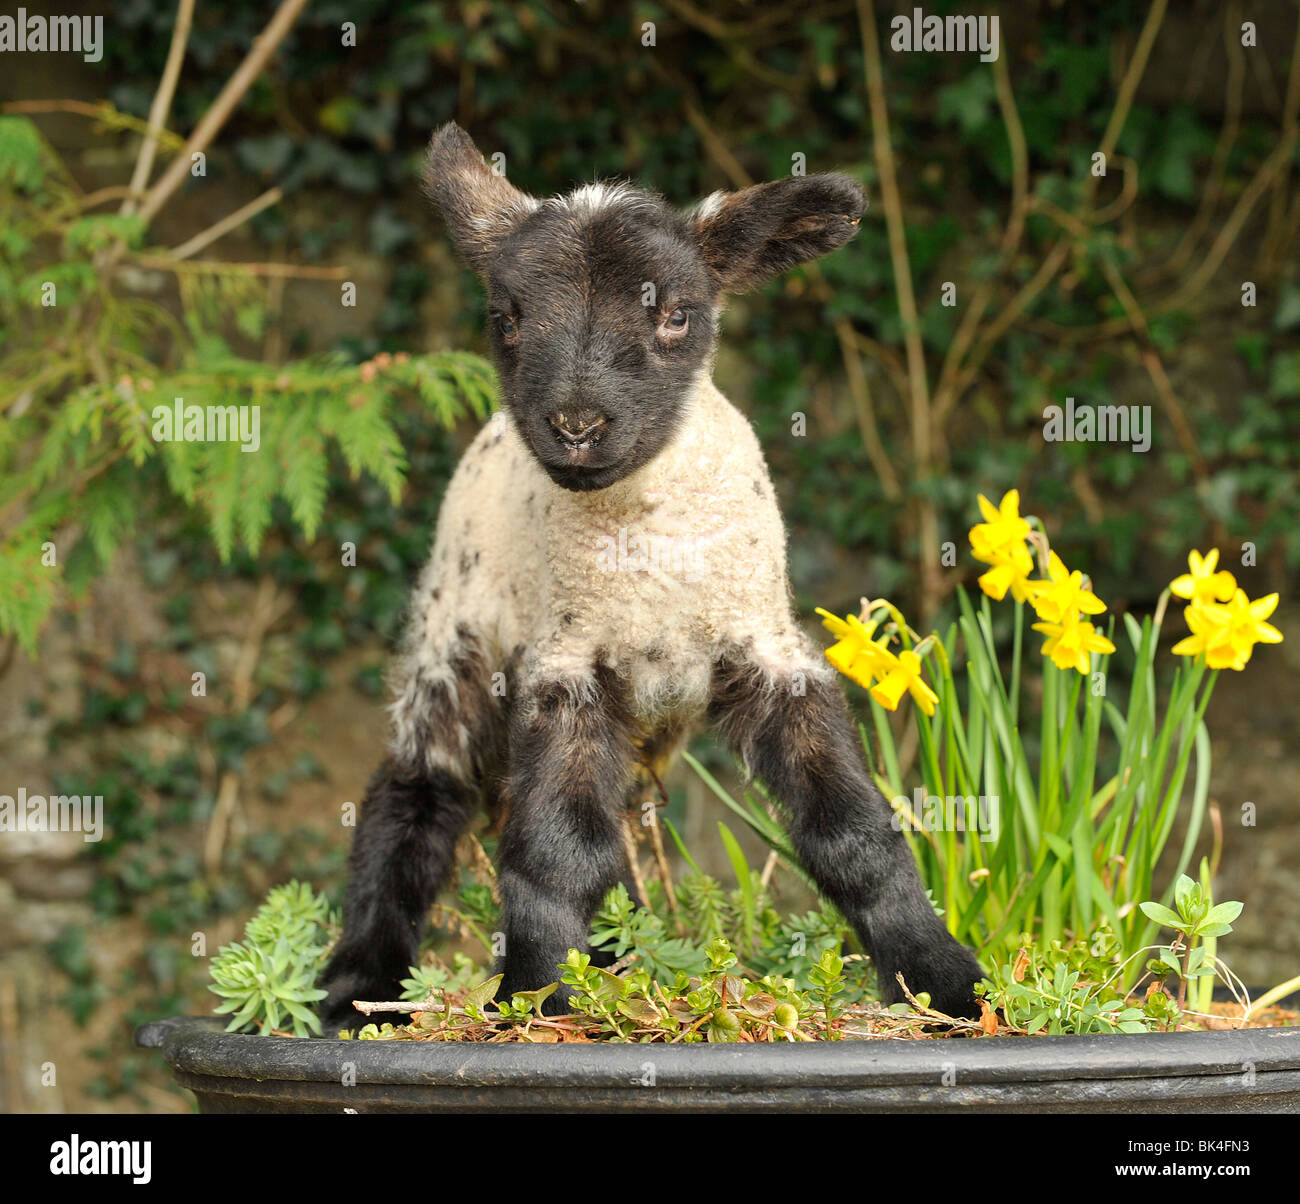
(575, 427)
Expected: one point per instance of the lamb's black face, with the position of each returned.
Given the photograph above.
(601, 314)
(603, 302)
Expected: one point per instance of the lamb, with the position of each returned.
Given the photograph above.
(609, 571)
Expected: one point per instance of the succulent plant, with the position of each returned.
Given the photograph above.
(269, 979)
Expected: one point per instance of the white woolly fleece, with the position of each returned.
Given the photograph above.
(657, 576)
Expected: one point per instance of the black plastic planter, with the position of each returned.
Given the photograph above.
(1228, 1072)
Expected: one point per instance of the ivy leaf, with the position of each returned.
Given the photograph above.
(1288, 308)
(264, 156)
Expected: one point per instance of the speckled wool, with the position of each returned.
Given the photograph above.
(657, 577)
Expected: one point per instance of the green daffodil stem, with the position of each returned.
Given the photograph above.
(1019, 630)
(1281, 991)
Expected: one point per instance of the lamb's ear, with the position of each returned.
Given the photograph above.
(750, 236)
(479, 206)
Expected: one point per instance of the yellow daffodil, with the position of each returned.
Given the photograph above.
(850, 661)
(999, 542)
(1226, 635)
(855, 654)
(1246, 625)
(903, 676)
(1062, 596)
(1209, 628)
(1002, 532)
(1203, 584)
(1024, 590)
(845, 628)
(1009, 573)
(1071, 643)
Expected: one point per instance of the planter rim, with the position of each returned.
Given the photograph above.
(198, 1046)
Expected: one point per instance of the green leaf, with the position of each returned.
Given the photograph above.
(642, 1011)
(1060, 847)
(483, 994)
(1161, 915)
(1224, 913)
(605, 985)
(534, 999)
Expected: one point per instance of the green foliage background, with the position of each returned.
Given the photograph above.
(568, 92)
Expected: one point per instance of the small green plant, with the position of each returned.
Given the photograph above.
(644, 936)
(1195, 918)
(828, 978)
(269, 979)
(718, 1005)
(434, 975)
(679, 975)
(721, 1005)
(1068, 989)
(292, 911)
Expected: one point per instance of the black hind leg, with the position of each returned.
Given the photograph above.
(402, 852)
(562, 847)
(801, 743)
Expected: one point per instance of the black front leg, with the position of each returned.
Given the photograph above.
(562, 847)
(403, 850)
(794, 733)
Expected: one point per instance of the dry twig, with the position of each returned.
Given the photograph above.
(162, 101)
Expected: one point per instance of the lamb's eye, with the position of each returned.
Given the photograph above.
(675, 323)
